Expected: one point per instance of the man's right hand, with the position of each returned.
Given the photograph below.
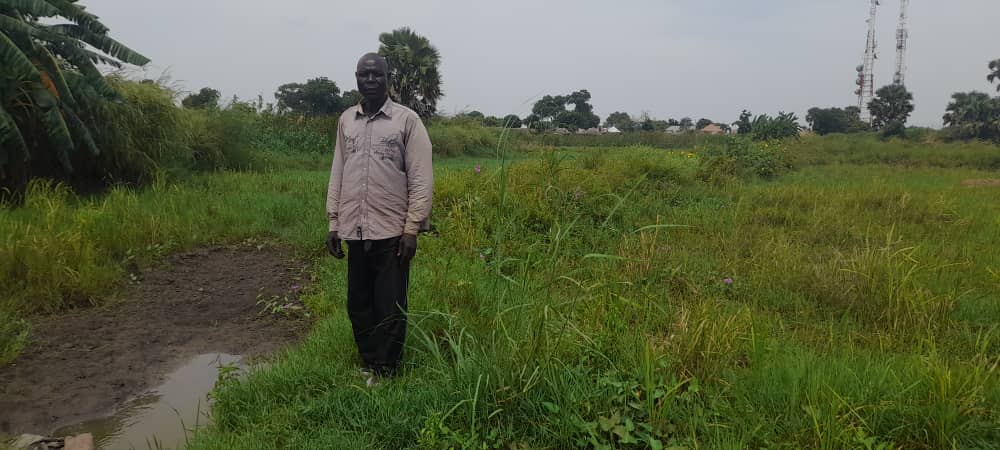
(333, 245)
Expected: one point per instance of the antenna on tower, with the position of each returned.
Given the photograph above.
(902, 33)
(866, 71)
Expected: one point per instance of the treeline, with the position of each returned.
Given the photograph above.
(62, 119)
(970, 115)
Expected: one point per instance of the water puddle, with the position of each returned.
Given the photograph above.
(162, 417)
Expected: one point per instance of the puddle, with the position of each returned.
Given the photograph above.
(162, 417)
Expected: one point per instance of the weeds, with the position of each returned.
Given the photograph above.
(597, 298)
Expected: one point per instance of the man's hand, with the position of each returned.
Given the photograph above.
(333, 245)
(407, 248)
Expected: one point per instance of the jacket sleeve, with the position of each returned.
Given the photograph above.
(419, 176)
(336, 181)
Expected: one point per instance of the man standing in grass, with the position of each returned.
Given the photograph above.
(379, 198)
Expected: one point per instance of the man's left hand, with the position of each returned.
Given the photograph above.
(407, 248)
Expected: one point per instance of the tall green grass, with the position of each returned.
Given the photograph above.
(581, 302)
(656, 139)
(870, 149)
(580, 298)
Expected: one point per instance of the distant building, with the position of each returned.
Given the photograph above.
(560, 130)
(712, 129)
(674, 129)
(613, 130)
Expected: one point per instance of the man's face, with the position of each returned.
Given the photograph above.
(372, 77)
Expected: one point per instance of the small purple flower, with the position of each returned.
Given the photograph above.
(286, 306)
(727, 281)
(296, 287)
(478, 169)
(482, 257)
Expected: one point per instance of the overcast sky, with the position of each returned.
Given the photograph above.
(671, 58)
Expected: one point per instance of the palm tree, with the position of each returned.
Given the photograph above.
(994, 73)
(973, 115)
(413, 68)
(47, 72)
(892, 105)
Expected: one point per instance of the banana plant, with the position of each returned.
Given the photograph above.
(39, 109)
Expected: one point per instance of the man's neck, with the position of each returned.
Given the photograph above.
(371, 108)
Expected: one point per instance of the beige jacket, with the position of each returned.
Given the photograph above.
(382, 179)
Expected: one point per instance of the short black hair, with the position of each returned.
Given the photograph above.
(375, 56)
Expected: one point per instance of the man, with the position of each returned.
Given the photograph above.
(379, 198)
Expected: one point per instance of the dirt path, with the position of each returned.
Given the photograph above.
(83, 364)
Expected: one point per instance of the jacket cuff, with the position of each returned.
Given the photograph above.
(334, 226)
(411, 228)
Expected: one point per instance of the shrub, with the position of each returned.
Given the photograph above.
(766, 128)
(741, 157)
(454, 140)
(135, 136)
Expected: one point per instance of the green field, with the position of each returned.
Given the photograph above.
(581, 297)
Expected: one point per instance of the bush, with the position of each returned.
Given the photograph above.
(741, 157)
(146, 132)
(454, 140)
(136, 136)
(767, 128)
(220, 139)
(294, 134)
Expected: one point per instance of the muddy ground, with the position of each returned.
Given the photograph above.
(83, 364)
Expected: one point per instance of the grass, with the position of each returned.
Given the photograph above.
(576, 298)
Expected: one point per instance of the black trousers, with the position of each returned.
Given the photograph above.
(376, 302)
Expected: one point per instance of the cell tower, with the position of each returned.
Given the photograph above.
(902, 34)
(866, 71)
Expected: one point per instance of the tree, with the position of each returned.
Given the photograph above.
(48, 78)
(548, 107)
(511, 121)
(973, 115)
(415, 80)
(892, 105)
(702, 123)
(854, 122)
(994, 75)
(620, 120)
(317, 97)
(492, 121)
(836, 120)
(350, 98)
(828, 120)
(206, 98)
(744, 125)
(686, 123)
(553, 109)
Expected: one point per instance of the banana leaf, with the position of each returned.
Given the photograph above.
(10, 138)
(81, 130)
(36, 8)
(76, 14)
(101, 42)
(48, 112)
